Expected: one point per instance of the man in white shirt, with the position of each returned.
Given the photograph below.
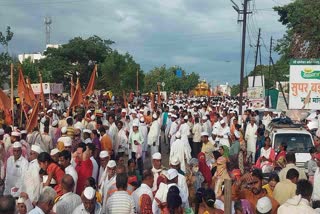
(173, 129)
(223, 134)
(104, 159)
(156, 169)
(113, 131)
(184, 128)
(89, 203)
(109, 180)
(153, 136)
(196, 131)
(65, 163)
(17, 166)
(143, 129)
(31, 178)
(144, 191)
(251, 138)
(69, 200)
(95, 170)
(180, 150)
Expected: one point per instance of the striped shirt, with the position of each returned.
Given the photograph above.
(119, 203)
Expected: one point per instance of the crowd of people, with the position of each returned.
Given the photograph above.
(109, 157)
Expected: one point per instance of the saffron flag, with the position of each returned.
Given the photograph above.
(77, 98)
(33, 119)
(5, 102)
(125, 99)
(90, 87)
(23, 90)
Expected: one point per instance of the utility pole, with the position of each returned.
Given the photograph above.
(269, 72)
(256, 59)
(244, 12)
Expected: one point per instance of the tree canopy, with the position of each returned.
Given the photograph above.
(172, 82)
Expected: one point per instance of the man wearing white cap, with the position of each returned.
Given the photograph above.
(17, 165)
(207, 146)
(251, 138)
(45, 202)
(161, 195)
(135, 143)
(205, 125)
(181, 151)
(184, 128)
(31, 180)
(89, 203)
(156, 169)
(154, 133)
(15, 137)
(86, 136)
(143, 129)
(223, 134)
(104, 159)
(109, 180)
(173, 129)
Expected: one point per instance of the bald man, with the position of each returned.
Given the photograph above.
(69, 200)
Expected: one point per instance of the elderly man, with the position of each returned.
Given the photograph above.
(180, 150)
(154, 133)
(251, 138)
(104, 159)
(173, 128)
(109, 180)
(69, 200)
(143, 196)
(16, 168)
(45, 202)
(89, 203)
(31, 180)
(120, 201)
(223, 134)
(156, 169)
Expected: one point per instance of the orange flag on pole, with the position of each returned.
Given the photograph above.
(125, 99)
(23, 90)
(5, 102)
(33, 120)
(77, 98)
(90, 87)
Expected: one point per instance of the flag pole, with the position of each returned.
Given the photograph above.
(11, 76)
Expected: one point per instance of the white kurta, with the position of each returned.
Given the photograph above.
(67, 203)
(95, 168)
(70, 170)
(153, 137)
(122, 141)
(180, 150)
(113, 132)
(251, 137)
(143, 129)
(172, 132)
(106, 184)
(224, 132)
(14, 172)
(184, 130)
(316, 185)
(143, 189)
(31, 181)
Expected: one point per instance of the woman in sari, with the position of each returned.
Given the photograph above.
(220, 175)
(267, 157)
(280, 160)
(204, 168)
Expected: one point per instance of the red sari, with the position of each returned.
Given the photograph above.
(57, 174)
(204, 168)
(281, 159)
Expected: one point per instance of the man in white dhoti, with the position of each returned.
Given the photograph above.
(143, 129)
(153, 136)
(31, 183)
(17, 165)
(184, 128)
(109, 180)
(180, 150)
(173, 129)
(251, 138)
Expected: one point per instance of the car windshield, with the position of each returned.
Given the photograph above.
(300, 143)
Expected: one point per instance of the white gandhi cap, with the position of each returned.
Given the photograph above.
(111, 164)
(172, 173)
(156, 156)
(36, 149)
(104, 154)
(89, 193)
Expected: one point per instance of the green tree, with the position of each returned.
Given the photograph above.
(119, 72)
(172, 82)
(302, 39)
(5, 39)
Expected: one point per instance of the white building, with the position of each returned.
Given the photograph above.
(36, 56)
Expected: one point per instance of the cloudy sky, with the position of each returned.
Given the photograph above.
(199, 35)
